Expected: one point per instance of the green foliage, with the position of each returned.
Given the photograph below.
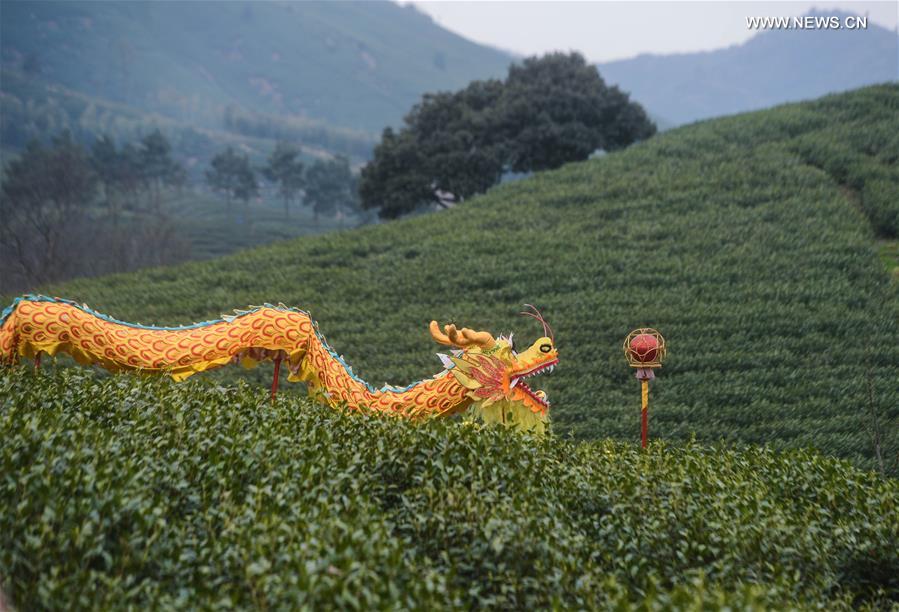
(120, 172)
(863, 162)
(214, 231)
(59, 226)
(60, 175)
(331, 188)
(147, 167)
(559, 109)
(286, 170)
(448, 146)
(232, 174)
(45, 192)
(157, 168)
(889, 255)
(136, 492)
(549, 111)
(55, 226)
(755, 266)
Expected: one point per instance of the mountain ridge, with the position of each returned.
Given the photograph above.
(187, 62)
(770, 68)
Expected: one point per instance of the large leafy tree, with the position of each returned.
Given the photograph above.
(557, 109)
(547, 112)
(232, 175)
(447, 150)
(287, 171)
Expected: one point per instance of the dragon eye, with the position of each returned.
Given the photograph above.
(545, 348)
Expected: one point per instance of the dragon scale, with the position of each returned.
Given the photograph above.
(481, 372)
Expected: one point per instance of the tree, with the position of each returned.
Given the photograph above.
(446, 151)
(105, 161)
(558, 109)
(46, 192)
(125, 172)
(129, 176)
(232, 174)
(285, 169)
(397, 180)
(331, 187)
(157, 166)
(547, 112)
(51, 229)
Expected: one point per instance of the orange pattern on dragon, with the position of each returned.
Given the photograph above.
(482, 373)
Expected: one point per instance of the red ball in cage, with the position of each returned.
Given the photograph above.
(644, 348)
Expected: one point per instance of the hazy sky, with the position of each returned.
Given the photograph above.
(618, 29)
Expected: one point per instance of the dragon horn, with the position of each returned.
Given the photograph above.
(480, 338)
(456, 336)
(547, 330)
(460, 338)
(439, 336)
(450, 336)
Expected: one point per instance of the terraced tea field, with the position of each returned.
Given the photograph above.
(749, 241)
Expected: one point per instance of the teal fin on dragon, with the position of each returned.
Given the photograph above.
(482, 374)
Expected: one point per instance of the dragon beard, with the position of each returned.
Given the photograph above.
(495, 402)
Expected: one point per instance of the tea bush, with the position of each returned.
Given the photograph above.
(129, 492)
(744, 240)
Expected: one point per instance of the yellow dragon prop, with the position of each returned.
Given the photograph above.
(481, 373)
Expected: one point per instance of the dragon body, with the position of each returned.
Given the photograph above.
(480, 373)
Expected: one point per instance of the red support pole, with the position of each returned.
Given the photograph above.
(644, 417)
(275, 378)
(37, 361)
(644, 349)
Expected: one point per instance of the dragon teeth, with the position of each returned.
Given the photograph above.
(514, 382)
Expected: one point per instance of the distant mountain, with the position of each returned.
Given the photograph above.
(357, 65)
(773, 67)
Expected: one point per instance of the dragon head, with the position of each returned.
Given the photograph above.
(494, 373)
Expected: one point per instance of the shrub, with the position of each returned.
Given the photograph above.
(133, 492)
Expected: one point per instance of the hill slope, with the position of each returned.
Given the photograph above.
(32, 107)
(771, 68)
(189, 60)
(742, 239)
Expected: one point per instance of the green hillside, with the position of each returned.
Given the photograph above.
(747, 241)
(213, 229)
(139, 493)
(359, 65)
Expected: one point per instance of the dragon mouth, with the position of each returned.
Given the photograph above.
(517, 381)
